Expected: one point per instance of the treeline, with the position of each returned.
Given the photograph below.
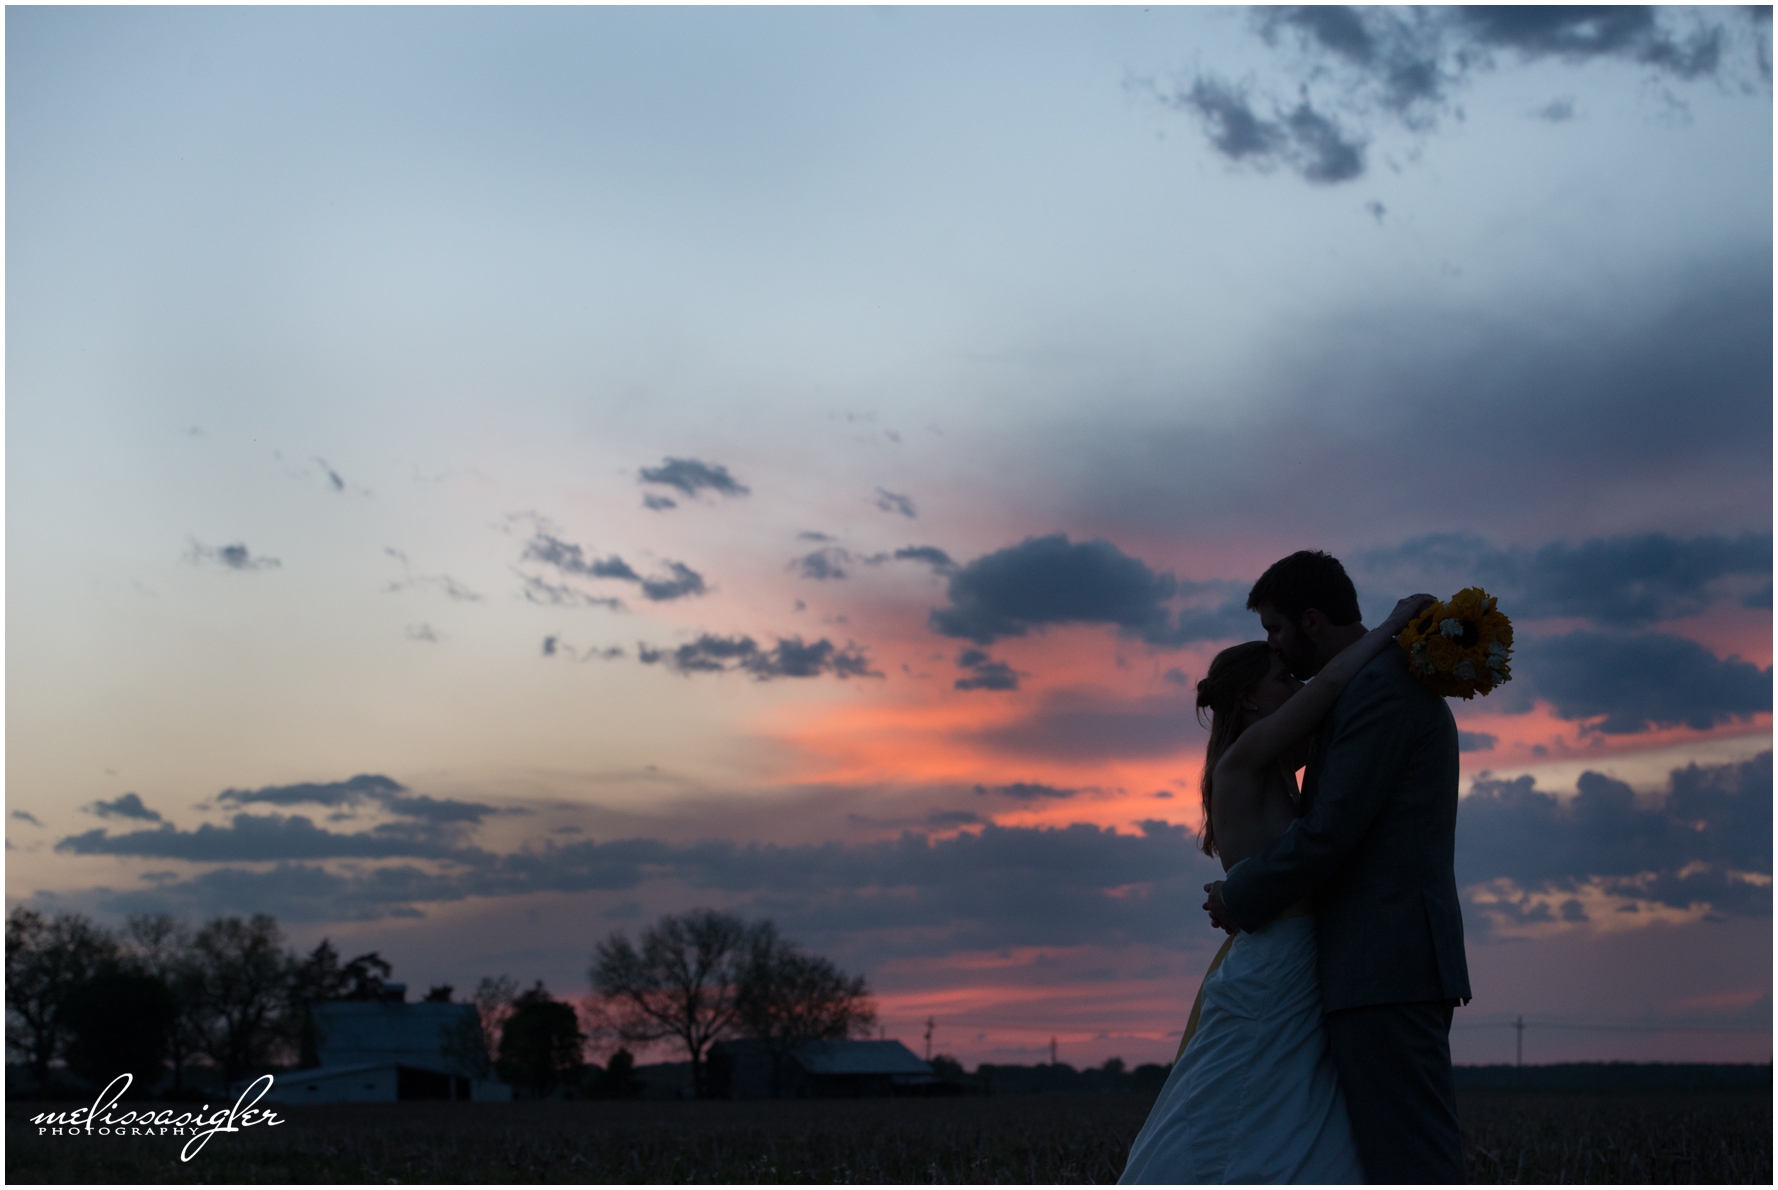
(1053, 1078)
(157, 997)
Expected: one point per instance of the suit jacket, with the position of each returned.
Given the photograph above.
(1374, 850)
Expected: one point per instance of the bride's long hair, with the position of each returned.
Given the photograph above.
(1233, 675)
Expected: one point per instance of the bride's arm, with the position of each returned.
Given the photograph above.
(1269, 738)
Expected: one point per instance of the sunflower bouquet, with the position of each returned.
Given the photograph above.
(1461, 647)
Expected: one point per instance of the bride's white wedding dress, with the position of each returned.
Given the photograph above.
(1254, 1097)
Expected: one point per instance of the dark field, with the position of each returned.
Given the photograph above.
(1673, 1136)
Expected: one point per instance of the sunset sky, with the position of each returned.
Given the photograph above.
(482, 478)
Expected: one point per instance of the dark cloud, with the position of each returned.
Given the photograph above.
(1307, 141)
(679, 581)
(253, 837)
(789, 658)
(1049, 580)
(1088, 725)
(829, 562)
(1476, 741)
(24, 816)
(128, 806)
(422, 632)
(930, 554)
(944, 819)
(1405, 65)
(1176, 677)
(891, 502)
(1688, 847)
(365, 788)
(690, 476)
(333, 477)
(985, 672)
(1559, 406)
(1026, 791)
(234, 557)
(1619, 582)
(1621, 683)
(658, 503)
(997, 887)
(351, 792)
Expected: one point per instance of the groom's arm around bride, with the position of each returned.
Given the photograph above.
(1374, 852)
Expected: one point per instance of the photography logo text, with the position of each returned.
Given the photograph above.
(198, 1126)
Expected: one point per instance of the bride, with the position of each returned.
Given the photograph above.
(1253, 1096)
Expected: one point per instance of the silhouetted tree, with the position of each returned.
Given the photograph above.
(684, 982)
(439, 994)
(244, 988)
(320, 976)
(118, 1022)
(46, 958)
(618, 1080)
(540, 1043)
(787, 997)
(160, 945)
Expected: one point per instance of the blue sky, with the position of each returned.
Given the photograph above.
(593, 432)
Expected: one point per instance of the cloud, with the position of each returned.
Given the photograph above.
(234, 557)
(691, 476)
(1404, 66)
(1476, 741)
(829, 562)
(540, 590)
(930, 554)
(127, 806)
(554, 646)
(1690, 846)
(1090, 725)
(423, 632)
(1557, 111)
(443, 583)
(679, 581)
(987, 673)
(1633, 681)
(890, 502)
(1309, 142)
(1619, 582)
(251, 837)
(658, 503)
(25, 816)
(1049, 580)
(365, 788)
(997, 887)
(333, 477)
(789, 658)
(1026, 791)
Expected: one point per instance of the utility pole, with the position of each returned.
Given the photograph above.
(1519, 1025)
(930, 1026)
(1052, 1051)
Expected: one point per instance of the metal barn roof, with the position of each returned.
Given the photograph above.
(369, 1032)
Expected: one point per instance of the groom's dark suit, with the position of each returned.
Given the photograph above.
(1374, 853)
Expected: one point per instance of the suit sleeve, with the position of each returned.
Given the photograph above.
(1369, 745)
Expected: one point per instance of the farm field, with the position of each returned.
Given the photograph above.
(1514, 1136)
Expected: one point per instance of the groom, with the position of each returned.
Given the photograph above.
(1373, 851)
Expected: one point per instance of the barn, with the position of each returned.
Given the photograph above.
(817, 1070)
(382, 1051)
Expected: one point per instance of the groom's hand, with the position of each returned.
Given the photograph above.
(1219, 915)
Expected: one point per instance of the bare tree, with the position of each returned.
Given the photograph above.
(684, 982)
(245, 991)
(788, 997)
(45, 959)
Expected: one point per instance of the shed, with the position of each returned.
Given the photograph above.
(817, 1070)
(382, 1051)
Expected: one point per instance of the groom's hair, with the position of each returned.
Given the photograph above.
(1307, 579)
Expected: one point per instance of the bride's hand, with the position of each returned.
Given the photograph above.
(1406, 610)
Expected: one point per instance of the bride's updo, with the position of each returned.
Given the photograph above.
(1233, 675)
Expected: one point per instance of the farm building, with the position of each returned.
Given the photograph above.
(817, 1070)
(381, 1051)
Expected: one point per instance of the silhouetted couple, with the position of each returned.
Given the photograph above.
(1319, 1050)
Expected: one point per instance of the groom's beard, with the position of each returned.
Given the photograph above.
(1300, 657)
